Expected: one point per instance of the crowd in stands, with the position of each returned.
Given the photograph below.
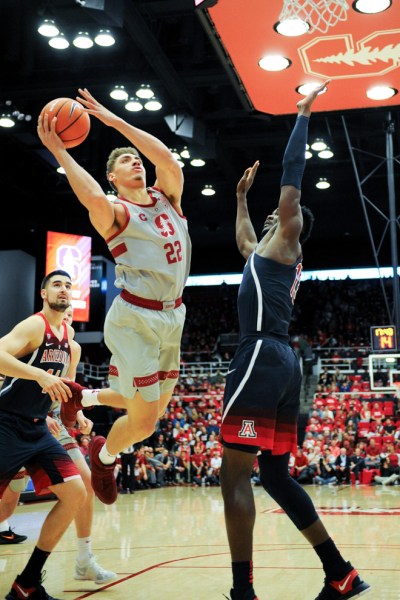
(351, 433)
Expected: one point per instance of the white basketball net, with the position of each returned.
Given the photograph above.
(319, 14)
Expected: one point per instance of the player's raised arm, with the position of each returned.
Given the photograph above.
(169, 173)
(85, 187)
(246, 238)
(294, 161)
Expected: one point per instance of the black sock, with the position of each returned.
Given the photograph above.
(334, 565)
(242, 575)
(30, 576)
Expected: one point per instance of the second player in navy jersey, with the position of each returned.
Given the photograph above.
(262, 393)
(35, 356)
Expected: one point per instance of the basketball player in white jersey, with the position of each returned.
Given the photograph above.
(147, 235)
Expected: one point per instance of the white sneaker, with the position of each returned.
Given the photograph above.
(93, 572)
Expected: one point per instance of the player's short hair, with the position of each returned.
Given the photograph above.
(308, 222)
(116, 153)
(47, 277)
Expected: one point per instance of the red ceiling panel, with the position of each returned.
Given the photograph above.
(356, 54)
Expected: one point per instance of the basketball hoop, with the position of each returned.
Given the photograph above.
(301, 16)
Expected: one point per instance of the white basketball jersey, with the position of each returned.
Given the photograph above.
(152, 250)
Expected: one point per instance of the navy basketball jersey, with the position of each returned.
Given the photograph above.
(266, 296)
(26, 398)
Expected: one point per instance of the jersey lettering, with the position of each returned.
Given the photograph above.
(296, 283)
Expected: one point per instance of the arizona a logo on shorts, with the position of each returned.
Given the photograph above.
(247, 430)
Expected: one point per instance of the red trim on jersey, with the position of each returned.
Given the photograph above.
(125, 225)
(271, 435)
(151, 304)
(118, 250)
(49, 330)
(112, 370)
(70, 446)
(138, 203)
(169, 202)
(147, 380)
(154, 378)
(168, 375)
(20, 475)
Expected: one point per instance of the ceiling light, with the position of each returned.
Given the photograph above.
(185, 152)
(381, 92)
(197, 162)
(180, 163)
(59, 42)
(119, 93)
(104, 38)
(61, 170)
(322, 183)
(133, 105)
(292, 27)
(83, 40)
(145, 91)
(175, 153)
(307, 88)
(327, 153)
(318, 145)
(208, 190)
(6, 121)
(48, 28)
(111, 196)
(274, 62)
(371, 6)
(153, 104)
(308, 154)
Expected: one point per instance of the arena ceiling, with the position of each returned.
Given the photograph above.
(203, 66)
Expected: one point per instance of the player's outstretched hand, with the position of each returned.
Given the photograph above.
(247, 179)
(47, 134)
(93, 107)
(304, 105)
(54, 386)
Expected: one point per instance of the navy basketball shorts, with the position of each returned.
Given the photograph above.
(24, 443)
(262, 397)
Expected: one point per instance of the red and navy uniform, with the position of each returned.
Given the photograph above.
(261, 401)
(24, 436)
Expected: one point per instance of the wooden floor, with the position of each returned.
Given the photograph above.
(170, 544)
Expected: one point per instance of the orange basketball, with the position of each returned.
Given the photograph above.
(73, 123)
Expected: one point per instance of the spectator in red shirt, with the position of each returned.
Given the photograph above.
(372, 459)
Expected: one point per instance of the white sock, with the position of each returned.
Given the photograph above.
(4, 525)
(105, 457)
(89, 398)
(84, 550)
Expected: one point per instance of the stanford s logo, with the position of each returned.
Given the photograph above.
(247, 430)
(164, 225)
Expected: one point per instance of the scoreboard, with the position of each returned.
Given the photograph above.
(383, 338)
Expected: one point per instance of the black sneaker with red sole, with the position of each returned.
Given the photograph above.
(9, 537)
(351, 586)
(20, 592)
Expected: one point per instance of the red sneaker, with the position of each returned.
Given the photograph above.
(103, 480)
(69, 409)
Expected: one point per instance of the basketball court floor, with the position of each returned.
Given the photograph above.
(170, 544)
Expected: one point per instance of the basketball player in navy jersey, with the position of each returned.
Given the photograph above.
(261, 400)
(86, 566)
(147, 235)
(35, 357)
